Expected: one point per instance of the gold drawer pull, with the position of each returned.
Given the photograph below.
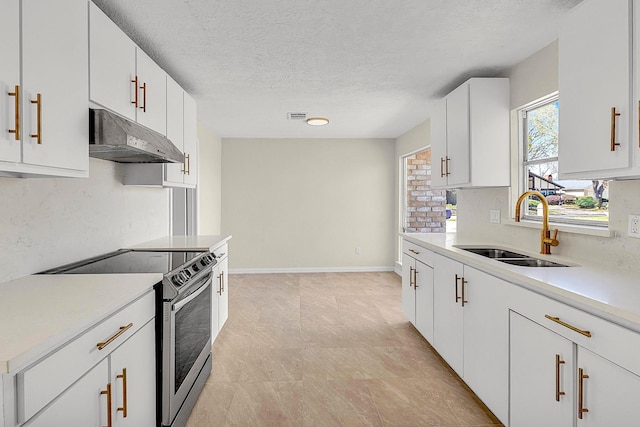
(413, 251)
(108, 393)
(122, 330)
(614, 114)
(38, 102)
(123, 408)
(566, 325)
(558, 392)
(16, 94)
(581, 378)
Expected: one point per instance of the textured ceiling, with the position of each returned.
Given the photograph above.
(373, 67)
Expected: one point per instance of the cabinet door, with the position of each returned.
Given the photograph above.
(447, 311)
(133, 380)
(439, 144)
(55, 46)
(9, 79)
(424, 300)
(458, 148)
(533, 365)
(190, 140)
(223, 297)
(81, 405)
(216, 290)
(610, 394)
(486, 339)
(175, 129)
(408, 293)
(152, 92)
(594, 71)
(112, 65)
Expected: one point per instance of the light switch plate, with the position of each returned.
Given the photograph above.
(494, 216)
(634, 226)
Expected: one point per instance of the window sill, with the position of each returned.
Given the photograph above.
(564, 228)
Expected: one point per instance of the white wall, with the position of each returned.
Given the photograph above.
(47, 222)
(305, 205)
(531, 79)
(209, 181)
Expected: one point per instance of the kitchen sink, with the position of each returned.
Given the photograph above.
(495, 253)
(513, 258)
(531, 262)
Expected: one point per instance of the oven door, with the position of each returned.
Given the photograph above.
(186, 344)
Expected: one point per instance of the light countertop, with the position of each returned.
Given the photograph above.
(607, 292)
(41, 312)
(188, 243)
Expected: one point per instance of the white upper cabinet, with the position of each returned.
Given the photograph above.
(10, 81)
(175, 129)
(112, 62)
(595, 91)
(470, 136)
(123, 78)
(152, 93)
(190, 141)
(52, 113)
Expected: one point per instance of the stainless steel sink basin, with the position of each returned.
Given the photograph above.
(531, 262)
(510, 257)
(495, 253)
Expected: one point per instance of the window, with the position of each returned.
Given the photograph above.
(582, 202)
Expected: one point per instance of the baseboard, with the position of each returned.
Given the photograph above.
(309, 270)
(398, 268)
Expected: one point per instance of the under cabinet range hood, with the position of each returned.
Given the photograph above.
(114, 138)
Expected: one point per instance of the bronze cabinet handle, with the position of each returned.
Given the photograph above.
(566, 325)
(558, 392)
(447, 166)
(464, 301)
(411, 277)
(413, 251)
(614, 114)
(123, 408)
(415, 278)
(16, 94)
(144, 97)
(121, 331)
(441, 167)
(457, 297)
(222, 274)
(581, 378)
(38, 102)
(219, 291)
(108, 393)
(135, 82)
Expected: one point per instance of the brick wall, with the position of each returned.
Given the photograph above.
(425, 206)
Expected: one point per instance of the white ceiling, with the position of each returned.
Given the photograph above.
(373, 67)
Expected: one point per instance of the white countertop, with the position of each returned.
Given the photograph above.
(188, 243)
(603, 291)
(41, 312)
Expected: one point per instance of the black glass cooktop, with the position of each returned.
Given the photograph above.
(127, 261)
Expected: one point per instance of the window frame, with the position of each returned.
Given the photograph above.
(524, 163)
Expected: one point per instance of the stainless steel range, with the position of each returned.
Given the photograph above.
(183, 320)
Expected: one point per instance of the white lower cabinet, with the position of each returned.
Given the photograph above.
(471, 329)
(417, 294)
(104, 377)
(555, 381)
(220, 302)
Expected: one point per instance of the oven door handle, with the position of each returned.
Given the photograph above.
(177, 306)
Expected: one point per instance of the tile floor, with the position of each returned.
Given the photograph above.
(328, 349)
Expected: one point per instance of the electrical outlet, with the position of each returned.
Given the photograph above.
(494, 216)
(634, 226)
(357, 250)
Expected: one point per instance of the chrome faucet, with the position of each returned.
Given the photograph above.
(545, 239)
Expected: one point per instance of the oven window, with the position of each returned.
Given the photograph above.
(192, 332)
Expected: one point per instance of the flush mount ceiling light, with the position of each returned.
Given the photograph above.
(317, 121)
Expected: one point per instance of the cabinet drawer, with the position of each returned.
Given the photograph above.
(418, 252)
(613, 342)
(43, 381)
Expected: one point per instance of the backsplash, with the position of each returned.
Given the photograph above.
(618, 251)
(46, 222)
